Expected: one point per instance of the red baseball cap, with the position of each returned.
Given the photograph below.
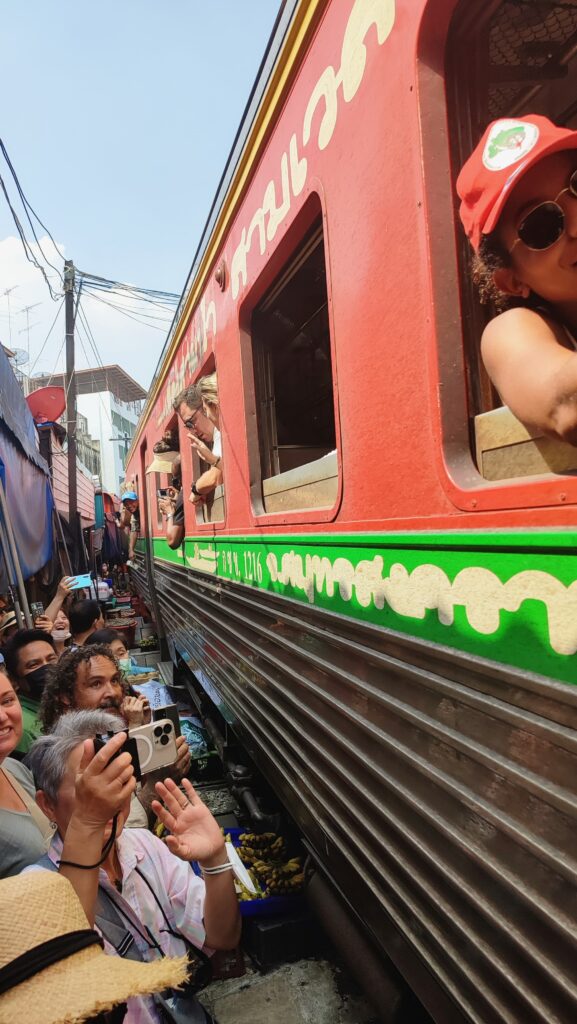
(509, 147)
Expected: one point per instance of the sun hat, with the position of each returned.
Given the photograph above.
(129, 496)
(53, 969)
(163, 462)
(508, 149)
(7, 620)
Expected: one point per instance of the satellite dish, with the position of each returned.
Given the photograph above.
(20, 356)
(47, 404)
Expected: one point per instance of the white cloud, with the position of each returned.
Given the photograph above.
(119, 339)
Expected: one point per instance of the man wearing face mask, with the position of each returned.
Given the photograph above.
(27, 656)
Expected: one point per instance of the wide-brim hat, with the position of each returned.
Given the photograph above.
(508, 149)
(7, 620)
(38, 908)
(163, 462)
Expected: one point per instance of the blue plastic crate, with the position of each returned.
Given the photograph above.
(272, 906)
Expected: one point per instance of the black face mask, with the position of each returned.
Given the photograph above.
(35, 681)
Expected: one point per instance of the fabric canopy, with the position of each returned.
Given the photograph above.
(25, 477)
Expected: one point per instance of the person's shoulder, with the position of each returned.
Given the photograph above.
(520, 324)
(21, 773)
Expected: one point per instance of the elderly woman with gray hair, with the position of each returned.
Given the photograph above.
(149, 903)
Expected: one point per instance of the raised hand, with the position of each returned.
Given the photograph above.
(136, 711)
(166, 506)
(201, 449)
(104, 783)
(195, 833)
(184, 758)
(66, 586)
(43, 622)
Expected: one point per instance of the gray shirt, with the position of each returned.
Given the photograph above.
(21, 842)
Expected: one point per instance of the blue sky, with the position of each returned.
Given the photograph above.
(118, 118)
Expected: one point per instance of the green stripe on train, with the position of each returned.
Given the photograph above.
(507, 596)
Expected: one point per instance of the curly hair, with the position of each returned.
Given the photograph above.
(58, 693)
(490, 257)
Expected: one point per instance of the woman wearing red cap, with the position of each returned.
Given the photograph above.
(518, 194)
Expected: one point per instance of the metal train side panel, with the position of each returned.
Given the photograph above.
(409, 697)
(437, 790)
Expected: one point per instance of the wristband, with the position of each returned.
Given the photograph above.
(215, 464)
(170, 516)
(194, 490)
(219, 870)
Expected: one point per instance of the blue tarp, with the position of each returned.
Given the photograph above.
(25, 476)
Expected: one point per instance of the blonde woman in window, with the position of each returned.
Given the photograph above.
(212, 477)
(518, 195)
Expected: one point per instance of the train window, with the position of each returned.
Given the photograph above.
(212, 510)
(294, 384)
(504, 59)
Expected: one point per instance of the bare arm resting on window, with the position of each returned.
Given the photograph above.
(535, 372)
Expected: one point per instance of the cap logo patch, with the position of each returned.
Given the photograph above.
(508, 142)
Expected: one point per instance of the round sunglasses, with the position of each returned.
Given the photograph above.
(544, 225)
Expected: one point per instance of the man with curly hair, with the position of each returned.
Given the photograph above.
(86, 679)
(89, 679)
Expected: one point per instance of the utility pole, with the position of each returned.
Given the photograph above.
(70, 381)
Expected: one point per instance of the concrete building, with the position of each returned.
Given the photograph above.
(110, 401)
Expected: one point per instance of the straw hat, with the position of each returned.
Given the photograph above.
(163, 462)
(7, 620)
(37, 908)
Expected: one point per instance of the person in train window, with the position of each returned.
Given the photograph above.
(171, 507)
(518, 194)
(130, 520)
(204, 437)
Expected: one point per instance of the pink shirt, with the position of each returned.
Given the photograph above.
(179, 890)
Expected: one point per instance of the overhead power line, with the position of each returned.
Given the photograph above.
(26, 244)
(45, 342)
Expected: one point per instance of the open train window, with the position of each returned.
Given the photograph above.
(294, 384)
(506, 58)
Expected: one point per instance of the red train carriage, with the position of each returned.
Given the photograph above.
(382, 599)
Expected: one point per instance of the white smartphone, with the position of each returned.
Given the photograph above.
(156, 745)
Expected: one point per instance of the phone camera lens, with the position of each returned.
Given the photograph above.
(164, 740)
(158, 731)
(167, 729)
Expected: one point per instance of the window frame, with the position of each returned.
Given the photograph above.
(449, 410)
(280, 256)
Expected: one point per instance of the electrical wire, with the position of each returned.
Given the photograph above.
(26, 244)
(124, 313)
(46, 339)
(106, 282)
(121, 306)
(131, 293)
(28, 207)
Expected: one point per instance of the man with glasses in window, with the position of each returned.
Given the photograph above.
(188, 405)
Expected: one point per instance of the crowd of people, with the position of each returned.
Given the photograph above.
(76, 823)
(75, 830)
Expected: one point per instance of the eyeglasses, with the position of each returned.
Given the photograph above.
(191, 422)
(544, 225)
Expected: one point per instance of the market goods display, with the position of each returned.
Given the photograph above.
(265, 857)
